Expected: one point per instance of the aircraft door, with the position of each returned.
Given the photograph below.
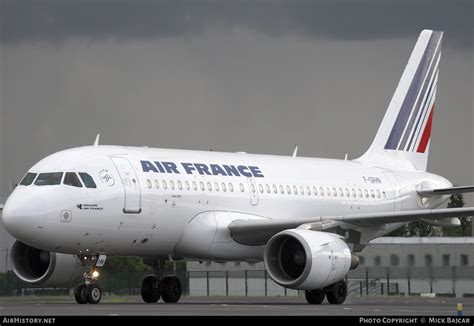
(394, 191)
(131, 185)
(253, 192)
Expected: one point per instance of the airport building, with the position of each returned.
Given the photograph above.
(435, 265)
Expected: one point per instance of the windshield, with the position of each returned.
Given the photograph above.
(47, 179)
(87, 179)
(71, 179)
(28, 179)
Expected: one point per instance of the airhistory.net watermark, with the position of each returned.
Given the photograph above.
(27, 320)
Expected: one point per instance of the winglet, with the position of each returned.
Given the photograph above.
(295, 151)
(96, 141)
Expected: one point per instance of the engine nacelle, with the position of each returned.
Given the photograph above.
(44, 268)
(306, 260)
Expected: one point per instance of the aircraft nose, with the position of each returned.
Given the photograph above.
(24, 217)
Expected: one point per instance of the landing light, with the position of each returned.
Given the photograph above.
(95, 274)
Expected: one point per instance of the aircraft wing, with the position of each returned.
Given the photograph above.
(258, 232)
(446, 191)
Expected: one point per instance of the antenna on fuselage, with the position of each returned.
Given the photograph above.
(295, 151)
(96, 141)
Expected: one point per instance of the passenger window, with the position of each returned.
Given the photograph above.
(302, 190)
(180, 185)
(165, 185)
(360, 192)
(267, 187)
(241, 187)
(353, 192)
(295, 190)
(372, 193)
(288, 190)
(86, 178)
(260, 188)
(308, 191)
(231, 187)
(384, 194)
(148, 181)
(315, 191)
(201, 184)
(252, 187)
(282, 190)
(28, 179)
(172, 185)
(71, 179)
(186, 184)
(328, 192)
(216, 186)
(366, 193)
(348, 194)
(223, 187)
(157, 184)
(341, 193)
(334, 192)
(275, 190)
(209, 186)
(378, 194)
(48, 179)
(321, 191)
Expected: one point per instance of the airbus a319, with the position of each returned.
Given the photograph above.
(305, 218)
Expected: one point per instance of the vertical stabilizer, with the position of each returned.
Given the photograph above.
(403, 138)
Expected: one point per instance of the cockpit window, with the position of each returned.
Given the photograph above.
(28, 179)
(48, 179)
(71, 179)
(87, 179)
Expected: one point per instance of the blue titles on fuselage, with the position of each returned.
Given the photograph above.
(202, 169)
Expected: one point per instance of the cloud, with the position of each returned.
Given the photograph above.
(56, 21)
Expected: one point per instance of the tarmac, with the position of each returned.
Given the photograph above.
(247, 306)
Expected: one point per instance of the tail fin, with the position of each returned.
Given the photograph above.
(403, 138)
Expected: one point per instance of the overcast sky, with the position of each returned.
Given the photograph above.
(255, 76)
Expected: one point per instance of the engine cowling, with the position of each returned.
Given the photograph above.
(43, 268)
(306, 260)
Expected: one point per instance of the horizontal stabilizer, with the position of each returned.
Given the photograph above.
(446, 191)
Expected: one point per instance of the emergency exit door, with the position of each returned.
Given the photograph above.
(131, 185)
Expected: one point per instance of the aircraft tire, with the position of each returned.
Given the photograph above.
(171, 289)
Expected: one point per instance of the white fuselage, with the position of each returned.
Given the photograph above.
(141, 207)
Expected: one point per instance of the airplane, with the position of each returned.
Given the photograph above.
(305, 218)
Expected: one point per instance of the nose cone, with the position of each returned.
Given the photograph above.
(24, 216)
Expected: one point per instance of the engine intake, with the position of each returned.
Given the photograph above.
(38, 267)
(306, 260)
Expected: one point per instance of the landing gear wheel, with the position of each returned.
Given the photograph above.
(337, 292)
(150, 289)
(315, 296)
(94, 293)
(171, 289)
(80, 294)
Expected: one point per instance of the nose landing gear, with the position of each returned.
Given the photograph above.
(90, 291)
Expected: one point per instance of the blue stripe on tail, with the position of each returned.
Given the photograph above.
(412, 93)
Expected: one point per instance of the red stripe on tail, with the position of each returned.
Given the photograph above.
(426, 133)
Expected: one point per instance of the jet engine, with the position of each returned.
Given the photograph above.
(307, 260)
(44, 268)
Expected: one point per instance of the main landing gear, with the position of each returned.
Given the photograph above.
(335, 293)
(156, 286)
(89, 291)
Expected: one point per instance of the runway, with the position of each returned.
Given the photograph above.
(377, 306)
